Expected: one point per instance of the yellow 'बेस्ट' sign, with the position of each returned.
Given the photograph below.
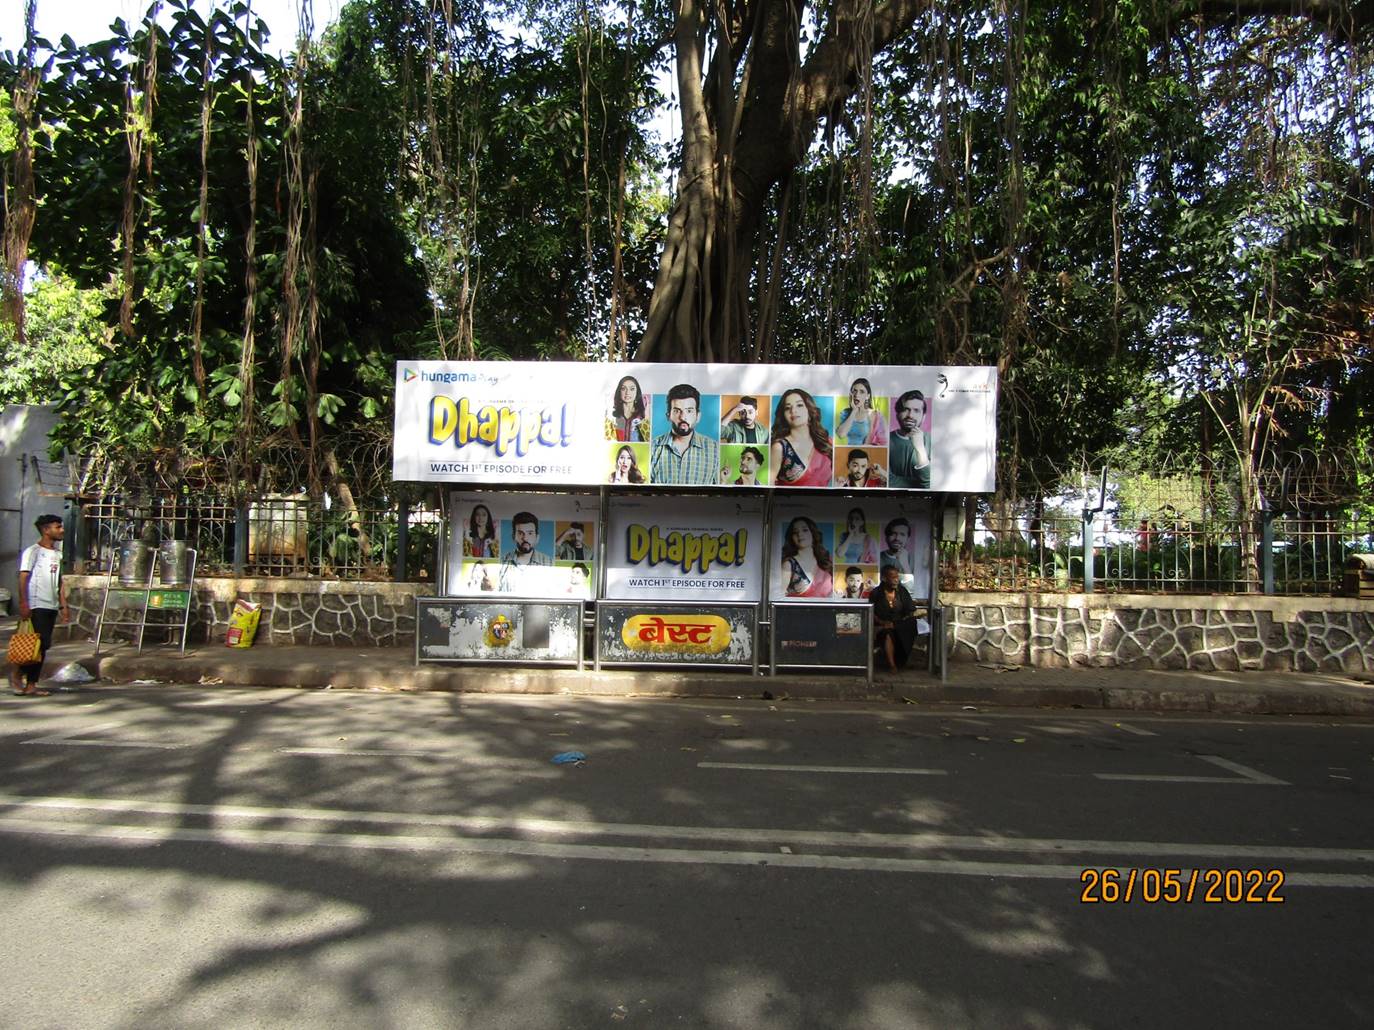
(679, 634)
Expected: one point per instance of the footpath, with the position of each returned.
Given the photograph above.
(968, 683)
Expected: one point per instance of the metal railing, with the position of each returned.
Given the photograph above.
(269, 536)
(1292, 555)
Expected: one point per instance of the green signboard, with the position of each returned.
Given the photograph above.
(164, 600)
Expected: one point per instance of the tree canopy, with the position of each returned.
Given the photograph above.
(1154, 216)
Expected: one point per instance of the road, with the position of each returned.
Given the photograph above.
(193, 857)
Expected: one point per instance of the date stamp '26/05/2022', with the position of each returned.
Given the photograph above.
(1181, 886)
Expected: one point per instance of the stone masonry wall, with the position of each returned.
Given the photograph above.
(1162, 632)
(1306, 634)
(293, 611)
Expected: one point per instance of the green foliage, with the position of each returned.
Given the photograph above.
(66, 337)
(1161, 234)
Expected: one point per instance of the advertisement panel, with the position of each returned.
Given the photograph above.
(875, 427)
(687, 548)
(835, 547)
(449, 630)
(822, 636)
(531, 545)
(640, 633)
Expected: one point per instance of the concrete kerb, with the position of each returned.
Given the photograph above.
(390, 669)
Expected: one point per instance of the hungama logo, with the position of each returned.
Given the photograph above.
(409, 375)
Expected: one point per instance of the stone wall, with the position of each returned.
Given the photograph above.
(1151, 631)
(294, 611)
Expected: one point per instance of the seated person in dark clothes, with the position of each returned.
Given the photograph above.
(894, 618)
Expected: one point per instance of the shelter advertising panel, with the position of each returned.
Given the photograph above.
(685, 548)
(831, 636)
(835, 547)
(652, 633)
(455, 630)
(532, 545)
(838, 427)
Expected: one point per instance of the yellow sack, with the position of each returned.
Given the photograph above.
(26, 647)
(243, 624)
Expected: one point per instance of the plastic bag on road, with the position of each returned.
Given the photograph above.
(72, 672)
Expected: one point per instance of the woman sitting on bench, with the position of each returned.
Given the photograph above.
(894, 619)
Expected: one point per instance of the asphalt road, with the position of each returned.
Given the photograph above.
(190, 857)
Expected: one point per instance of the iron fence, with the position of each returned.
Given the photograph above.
(1289, 555)
(295, 536)
(269, 536)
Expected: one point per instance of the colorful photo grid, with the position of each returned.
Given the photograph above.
(683, 436)
(838, 553)
(528, 545)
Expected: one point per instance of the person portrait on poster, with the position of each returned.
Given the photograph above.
(860, 424)
(571, 544)
(629, 418)
(806, 567)
(854, 586)
(525, 537)
(626, 467)
(857, 545)
(480, 539)
(909, 445)
(750, 464)
(800, 453)
(897, 536)
(682, 456)
(860, 471)
(741, 425)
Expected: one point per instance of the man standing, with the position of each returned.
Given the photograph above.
(682, 456)
(42, 596)
(909, 446)
(861, 471)
(897, 533)
(740, 424)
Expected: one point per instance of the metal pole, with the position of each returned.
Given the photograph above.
(1087, 551)
(1267, 549)
(240, 539)
(402, 538)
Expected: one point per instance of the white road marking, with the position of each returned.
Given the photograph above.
(1244, 770)
(530, 849)
(871, 770)
(1135, 729)
(449, 755)
(353, 752)
(81, 738)
(1245, 775)
(526, 826)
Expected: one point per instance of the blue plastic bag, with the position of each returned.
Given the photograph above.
(569, 758)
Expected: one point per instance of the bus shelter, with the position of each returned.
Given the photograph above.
(725, 517)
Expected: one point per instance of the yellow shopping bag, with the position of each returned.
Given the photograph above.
(26, 648)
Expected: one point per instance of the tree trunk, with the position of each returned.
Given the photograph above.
(748, 117)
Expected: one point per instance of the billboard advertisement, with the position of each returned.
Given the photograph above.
(834, 548)
(693, 549)
(875, 427)
(524, 544)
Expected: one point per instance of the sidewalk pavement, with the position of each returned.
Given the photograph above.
(969, 683)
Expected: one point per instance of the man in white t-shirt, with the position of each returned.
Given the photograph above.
(42, 597)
